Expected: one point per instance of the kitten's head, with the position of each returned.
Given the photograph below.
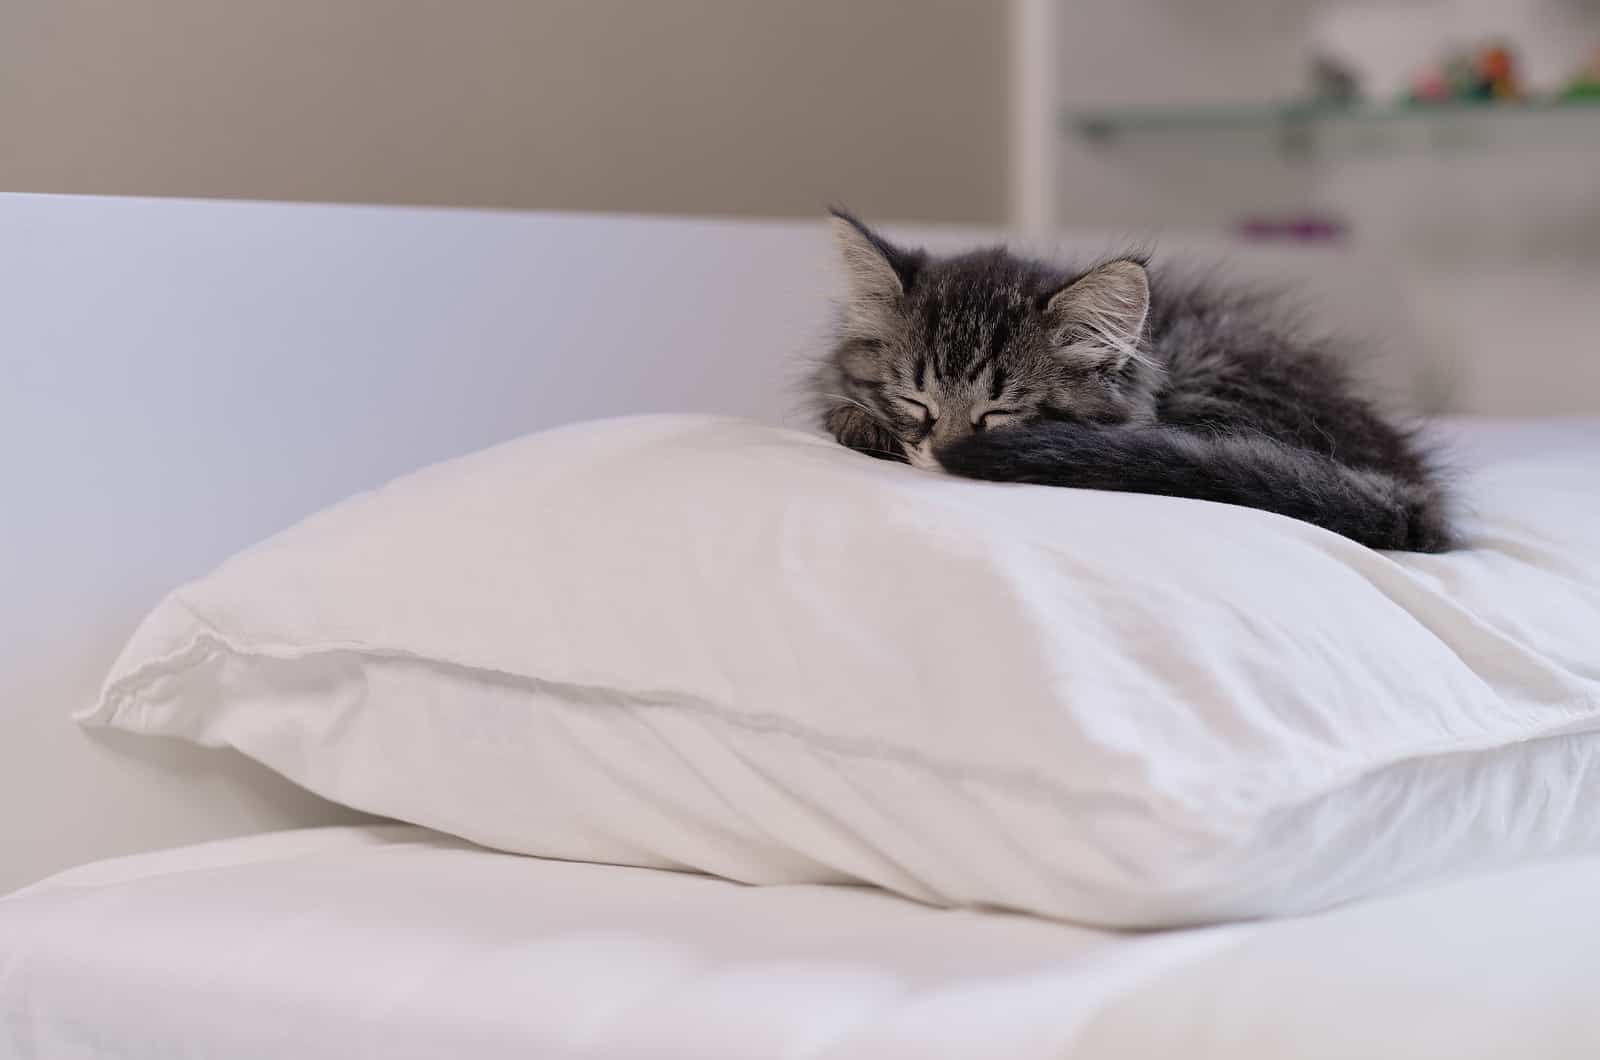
(932, 349)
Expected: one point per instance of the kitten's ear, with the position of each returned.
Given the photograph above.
(877, 270)
(1102, 312)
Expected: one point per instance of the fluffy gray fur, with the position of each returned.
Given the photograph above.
(1120, 376)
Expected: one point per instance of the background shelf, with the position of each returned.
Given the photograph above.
(1311, 128)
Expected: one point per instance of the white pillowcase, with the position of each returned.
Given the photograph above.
(707, 644)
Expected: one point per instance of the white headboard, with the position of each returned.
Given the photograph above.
(182, 378)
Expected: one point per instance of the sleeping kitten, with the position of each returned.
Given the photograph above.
(1117, 377)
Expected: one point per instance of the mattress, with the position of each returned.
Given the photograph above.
(391, 941)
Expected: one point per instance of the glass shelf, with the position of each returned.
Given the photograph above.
(1311, 128)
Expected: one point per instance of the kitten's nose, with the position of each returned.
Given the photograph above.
(946, 430)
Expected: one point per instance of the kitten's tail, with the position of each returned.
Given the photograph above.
(1372, 507)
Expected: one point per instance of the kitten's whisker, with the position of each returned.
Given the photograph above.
(880, 452)
(852, 401)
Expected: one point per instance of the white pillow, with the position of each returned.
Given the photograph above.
(707, 644)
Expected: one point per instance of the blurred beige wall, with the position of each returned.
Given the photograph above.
(896, 107)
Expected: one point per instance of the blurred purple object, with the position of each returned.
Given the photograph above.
(1308, 228)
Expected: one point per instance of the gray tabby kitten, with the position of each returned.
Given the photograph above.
(1118, 377)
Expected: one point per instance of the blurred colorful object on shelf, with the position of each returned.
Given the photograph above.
(1431, 86)
(1497, 74)
(1333, 82)
(1487, 73)
(1586, 85)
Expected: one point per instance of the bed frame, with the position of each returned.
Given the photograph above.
(183, 378)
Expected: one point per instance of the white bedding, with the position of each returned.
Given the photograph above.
(389, 941)
(695, 642)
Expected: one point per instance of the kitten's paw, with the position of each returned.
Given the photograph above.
(853, 428)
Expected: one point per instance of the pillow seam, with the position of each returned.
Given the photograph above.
(130, 688)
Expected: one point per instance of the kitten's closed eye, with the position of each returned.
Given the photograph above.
(996, 418)
(920, 409)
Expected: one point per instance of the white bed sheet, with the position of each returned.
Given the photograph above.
(395, 942)
(389, 941)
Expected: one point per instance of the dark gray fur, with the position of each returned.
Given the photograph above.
(1120, 376)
